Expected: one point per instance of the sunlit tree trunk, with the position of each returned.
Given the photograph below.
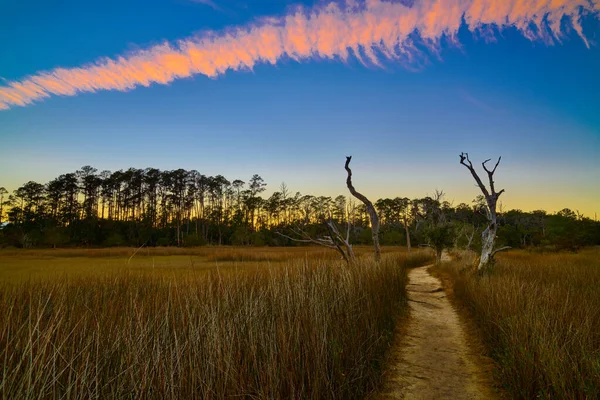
(407, 234)
(3, 192)
(370, 210)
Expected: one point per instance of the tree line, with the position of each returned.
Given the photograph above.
(186, 208)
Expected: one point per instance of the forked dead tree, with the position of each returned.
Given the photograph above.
(488, 236)
(469, 234)
(370, 210)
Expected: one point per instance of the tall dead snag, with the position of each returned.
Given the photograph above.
(488, 236)
(407, 232)
(370, 209)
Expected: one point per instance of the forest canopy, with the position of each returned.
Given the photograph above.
(186, 208)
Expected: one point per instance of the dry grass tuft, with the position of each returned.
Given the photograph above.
(540, 317)
(308, 329)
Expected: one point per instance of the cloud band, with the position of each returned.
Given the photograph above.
(371, 31)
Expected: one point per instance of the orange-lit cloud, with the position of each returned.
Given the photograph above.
(370, 31)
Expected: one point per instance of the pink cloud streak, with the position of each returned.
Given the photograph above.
(370, 31)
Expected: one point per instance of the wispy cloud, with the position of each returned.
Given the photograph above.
(474, 101)
(371, 31)
(209, 3)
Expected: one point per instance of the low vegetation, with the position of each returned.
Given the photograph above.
(309, 328)
(18, 265)
(539, 315)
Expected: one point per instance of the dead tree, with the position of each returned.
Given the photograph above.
(488, 236)
(468, 231)
(470, 238)
(405, 220)
(335, 240)
(370, 209)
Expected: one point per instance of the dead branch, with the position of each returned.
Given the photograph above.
(135, 252)
(325, 242)
(491, 175)
(505, 248)
(465, 156)
(333, 241)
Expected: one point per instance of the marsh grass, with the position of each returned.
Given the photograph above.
(311, 328)
(18, 265)
(540, 318)
(223, 253)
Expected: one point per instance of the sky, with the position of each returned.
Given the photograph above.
(287, 89)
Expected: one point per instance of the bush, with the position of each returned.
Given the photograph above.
(192, 241)
(440, 237)
(393, 238)
(163, 242)
(365, 236)
(55, 237)
(241, 236)
(115, 240)
(257, 239)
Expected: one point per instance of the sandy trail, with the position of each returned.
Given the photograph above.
(433, 360)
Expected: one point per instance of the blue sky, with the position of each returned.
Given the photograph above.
(533, 103)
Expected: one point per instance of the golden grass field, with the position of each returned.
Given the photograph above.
(264, 324)
(18, 265)
(539, 315)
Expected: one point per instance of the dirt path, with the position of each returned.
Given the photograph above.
(433, 361)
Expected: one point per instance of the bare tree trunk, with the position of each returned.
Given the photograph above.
(488, 239)
(438, 255)
(407, 234)
(370, 209)
(470, 237)
(488, 236)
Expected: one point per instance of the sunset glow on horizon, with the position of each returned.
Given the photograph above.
(287, 89)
